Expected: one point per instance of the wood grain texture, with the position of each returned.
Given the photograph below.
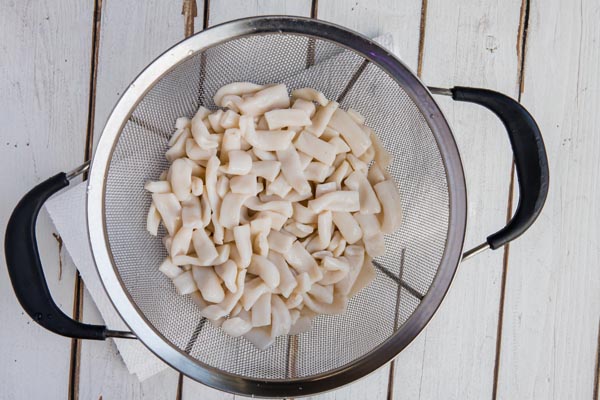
(227, 10)
(375, 18)
(552, 304)
(132, 34)
(45, 52)
(470, 44)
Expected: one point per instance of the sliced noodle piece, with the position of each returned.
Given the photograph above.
(252, 291)
(169, 209)
(337, 306)
(266, 99)
(281, 320)
(153, 220)
(304, 215)
(264, 268)
(228, 273)
(261, 311)
(339, 145)
(287, 281)
(209, 284)
(266, 169)
(336, 201)
(222, 186)
(356, 256)
(310, 94)
(348, 226)
(365, 277)
(230, 119)
(391, 203)
(325, 228)
(277, 119)
(240, 163)
(243, 243)
(243, 184)
(196, 153)
(369, 203)
(158, 186)
(356, 116)
(260, 337)
(237, 89)
(302, 261)
(305, 105)
(325, 188)
(204, 247)
(316, 148)
(375, 174)
(184, 283)
(231, 209)
(236, 326)
(169, 269)
(279, 187)
(197, 186)
(317, 171)
(352, 133)
(181, 242)
(323, 294)
(177, 150)
(280, 241)
(322, 118)
(283, 207)
(292, 170)
(298, 230)
(340, 173)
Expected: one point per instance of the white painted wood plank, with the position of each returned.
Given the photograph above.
(44, 74)
(552, 308)
(374, 18)
(471, 44)
(373, 386)
(227, 10)
(132, 34)
(401, 20)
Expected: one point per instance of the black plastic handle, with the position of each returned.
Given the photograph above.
(530, 158)
(25, 268)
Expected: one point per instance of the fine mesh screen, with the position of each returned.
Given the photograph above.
(404, 273)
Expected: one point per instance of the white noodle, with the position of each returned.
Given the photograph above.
(272, 212)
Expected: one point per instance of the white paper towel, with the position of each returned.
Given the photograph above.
(67, 211)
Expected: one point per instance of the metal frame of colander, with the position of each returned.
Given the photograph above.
(25, 267)
(455, 178)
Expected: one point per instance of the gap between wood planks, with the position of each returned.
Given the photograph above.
(89, 142)
(521, 52)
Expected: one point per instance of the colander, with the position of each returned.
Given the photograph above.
(412, 277)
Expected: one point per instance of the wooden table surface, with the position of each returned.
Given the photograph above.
(518, 323)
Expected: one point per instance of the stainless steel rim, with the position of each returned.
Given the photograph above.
(135, 319)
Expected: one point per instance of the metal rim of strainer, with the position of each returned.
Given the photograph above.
(122, 300)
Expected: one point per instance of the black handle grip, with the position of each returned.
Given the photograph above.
(25, 268)
(530, 158)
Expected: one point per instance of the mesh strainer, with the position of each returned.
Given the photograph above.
(412, 277)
